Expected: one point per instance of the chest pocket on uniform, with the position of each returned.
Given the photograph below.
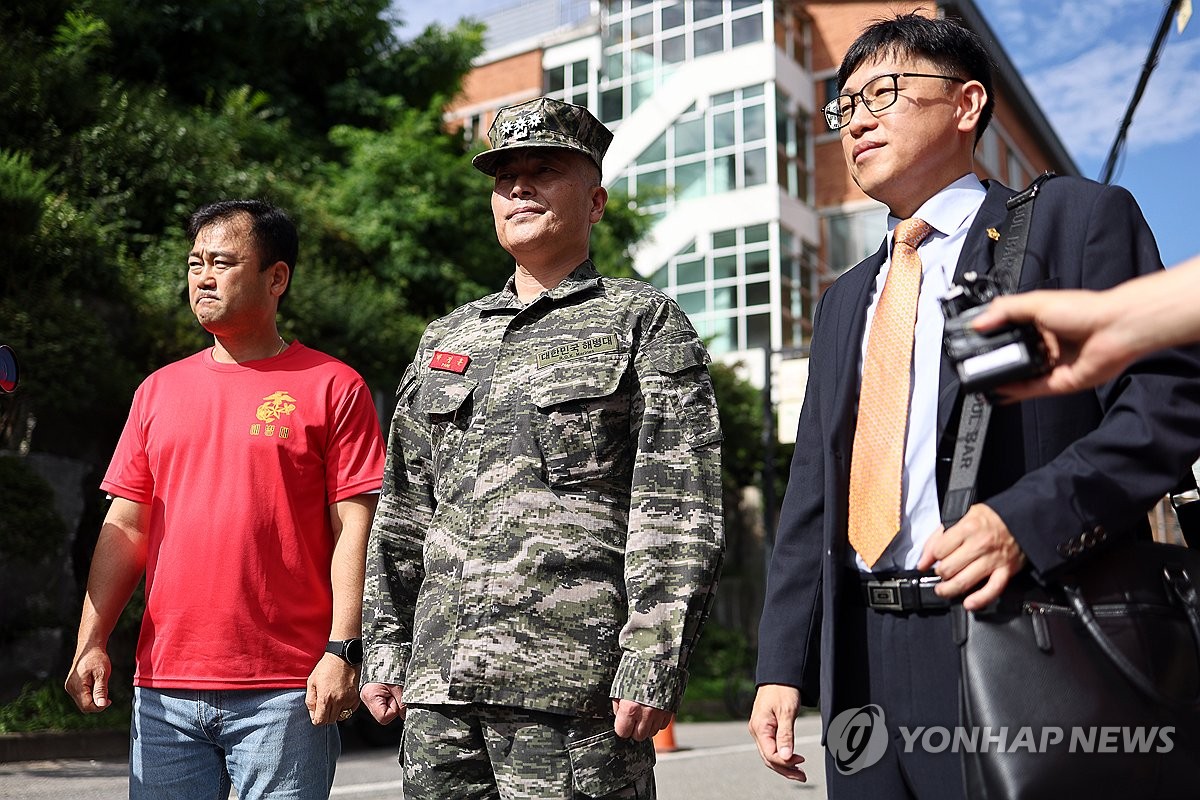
(445, 399)
(582, 424)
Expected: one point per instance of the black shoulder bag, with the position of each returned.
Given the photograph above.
(1087, 685)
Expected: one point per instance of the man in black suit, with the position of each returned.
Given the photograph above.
(1059, 477)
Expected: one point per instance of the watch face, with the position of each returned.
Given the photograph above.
(354, 651)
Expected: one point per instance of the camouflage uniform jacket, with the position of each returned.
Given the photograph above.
(549, 532)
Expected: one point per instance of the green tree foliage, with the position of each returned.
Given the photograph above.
(123, 116)
(430, 66)
(46, 707)
(22, 193)
(47, 81)
(307, 55)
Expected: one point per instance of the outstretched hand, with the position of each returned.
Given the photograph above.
(1092, 336)
(1085, 344)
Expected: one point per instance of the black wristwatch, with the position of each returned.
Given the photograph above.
(348, 650)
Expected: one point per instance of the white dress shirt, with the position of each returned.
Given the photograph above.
(950, 212)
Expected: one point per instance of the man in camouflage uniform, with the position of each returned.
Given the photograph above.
(549, 535)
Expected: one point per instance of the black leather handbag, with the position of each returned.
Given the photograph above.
(1090, 687)
(1087, 686)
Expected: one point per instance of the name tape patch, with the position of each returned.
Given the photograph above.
(565, 352)
(449, 362)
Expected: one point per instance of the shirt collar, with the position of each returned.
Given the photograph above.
(947, 210)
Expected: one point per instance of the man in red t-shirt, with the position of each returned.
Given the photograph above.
(243, 487)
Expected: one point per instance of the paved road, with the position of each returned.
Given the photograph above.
(715, 761)
(718, 761)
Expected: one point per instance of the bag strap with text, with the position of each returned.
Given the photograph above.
(1008, 259)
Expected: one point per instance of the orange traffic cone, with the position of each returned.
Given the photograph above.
(664, 740)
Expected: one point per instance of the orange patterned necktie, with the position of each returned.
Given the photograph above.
(877, 462)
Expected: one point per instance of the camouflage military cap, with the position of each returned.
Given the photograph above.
(544, 123)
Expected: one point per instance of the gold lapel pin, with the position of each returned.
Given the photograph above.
(993, 234)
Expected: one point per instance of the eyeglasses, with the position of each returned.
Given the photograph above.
(876, 95)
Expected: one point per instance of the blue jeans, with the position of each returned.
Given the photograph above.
(194, 745)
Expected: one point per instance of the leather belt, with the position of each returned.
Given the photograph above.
(902, 594)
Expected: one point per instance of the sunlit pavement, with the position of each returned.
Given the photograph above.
(714, 761)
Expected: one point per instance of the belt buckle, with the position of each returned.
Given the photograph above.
(884, 595)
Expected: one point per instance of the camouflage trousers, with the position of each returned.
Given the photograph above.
(470, 752)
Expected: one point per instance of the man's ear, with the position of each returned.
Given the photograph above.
(281, 275)
(599, 200)
(972, 99)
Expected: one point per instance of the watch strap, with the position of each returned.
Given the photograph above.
(348, 650)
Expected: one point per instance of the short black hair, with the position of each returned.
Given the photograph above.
(947, 43)
(273, 231)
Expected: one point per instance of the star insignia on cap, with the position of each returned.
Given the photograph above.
(520, 127)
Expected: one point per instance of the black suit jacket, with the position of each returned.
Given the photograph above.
(1054, 469)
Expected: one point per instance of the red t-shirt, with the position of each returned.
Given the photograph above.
(239, 464)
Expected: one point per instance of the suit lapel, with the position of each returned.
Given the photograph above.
(976, 256)
(852, 318)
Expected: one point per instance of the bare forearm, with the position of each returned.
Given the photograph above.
(352, 520)
(332, 692)
(1160, 310)
(117, 566)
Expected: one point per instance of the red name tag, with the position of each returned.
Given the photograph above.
(450, 362)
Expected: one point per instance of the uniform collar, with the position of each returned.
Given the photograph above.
(583, 277)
